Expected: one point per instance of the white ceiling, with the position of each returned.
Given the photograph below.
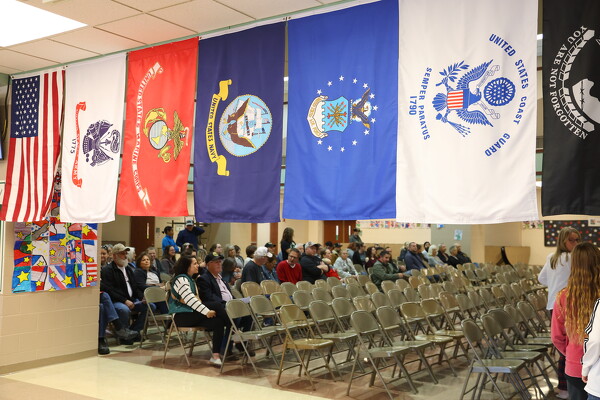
(117, 25)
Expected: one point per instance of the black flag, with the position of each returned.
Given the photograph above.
(571, 83)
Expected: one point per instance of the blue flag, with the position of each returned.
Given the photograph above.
(342, 120)
(239, 111)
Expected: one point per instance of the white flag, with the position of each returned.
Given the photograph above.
(467, 111)
(94, 106)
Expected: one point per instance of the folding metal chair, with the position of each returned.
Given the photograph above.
(155, 294)
(250, 289)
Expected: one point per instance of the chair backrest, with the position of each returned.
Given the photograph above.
(302, 298)
(340, 291)
(435, 290)
(396, 297)
(450, 287)
(333, 281)
(491, 325)
(363, 279)
(322, 284)
(155, 294)
(416, 273)
(359, 268)
(371, 288)
(474, 337)
(517, 290)
(342, 308)
(236, 293)
(503, 318)
(364, 323)
(402, 284)
(304, 285)
(431, 307)
(380, 299)
(414, 280)
(526, 310)
(363, 303)
(164, 277)
(268, 286)
(350, 279)
(448, 300)
(386, 286)
(424, 291)
(292, 315)
(237, 309)
(320, 311)
(412, 310)
(411, 294)
(289, 288)
(508, 293)
(464, 303)
(238, 285)
(279, 299)
(250, 289)
(476, 299)
(322, 294)
(487, 297)
(355, 290)
(260, 305)
(388, 317)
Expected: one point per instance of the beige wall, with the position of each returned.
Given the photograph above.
(395, 236)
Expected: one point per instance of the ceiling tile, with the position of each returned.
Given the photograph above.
(146, 29)
(8, 71)
(23, 62)
(202, 15)
(267, 8)
(48, 49)
(150, 5)
(96, 40)
(91, 12)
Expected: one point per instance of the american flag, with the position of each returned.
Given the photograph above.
(34, 146)
(455, 99)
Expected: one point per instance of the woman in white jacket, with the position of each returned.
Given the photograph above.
(590, 362)
(555, 275)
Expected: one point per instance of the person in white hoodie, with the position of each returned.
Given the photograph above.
(555, 275)
(590, 362)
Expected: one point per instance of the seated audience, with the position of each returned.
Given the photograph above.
(104, 258)
(168, 260)
(253, 272)
(154, 262)
(249, 253)
(190, 234)
(453, 257)
(462, 257)
(238, 257)
(344, 266)
(269, 269)
(312, 266)
(382, 270)
(403, 251)
(146, 276)
(216, 248)
(425, 250)
(189, 310)
(360, 255)
(443, 256)
(370, 257)
(118, 281)
(108, 314)
(290, 270)
(412, 259)
(432, 256)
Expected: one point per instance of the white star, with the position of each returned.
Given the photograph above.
(329, 148)
(354, 142)
(341, 77)
(354, 80)
(365, 85)
(329, 83)
(372, 120)
(366, 131)
(319, 141)
(375, 108)
(371, 96)
(319, 91)
(342, 149)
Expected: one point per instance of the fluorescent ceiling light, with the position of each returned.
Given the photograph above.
(23, 23)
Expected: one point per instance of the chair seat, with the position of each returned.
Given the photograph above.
(309, 344)
(530, 347)
(540, 341)
(190, 328)
(413, 344)
(451, 333)
(388, 351)
(498, 366)
(340, 336)
(243, 336)
(522, 355)
(435, 338)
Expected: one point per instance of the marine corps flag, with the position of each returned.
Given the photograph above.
(342, 120)
(571, 54)
(467, 111)
(161, 86)
(237, 152)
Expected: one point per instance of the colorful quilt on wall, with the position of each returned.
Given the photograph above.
(588, 233)
(51, 255)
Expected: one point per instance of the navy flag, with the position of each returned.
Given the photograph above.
(239, 110)
(342, 121)
(571, 54)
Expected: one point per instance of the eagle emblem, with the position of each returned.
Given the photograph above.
(468, 94)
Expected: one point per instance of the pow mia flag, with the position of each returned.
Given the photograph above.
(571, 83)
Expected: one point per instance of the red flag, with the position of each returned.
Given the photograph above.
(34, 146)
(161, 87)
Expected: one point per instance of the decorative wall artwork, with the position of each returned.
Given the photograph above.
(390, 224)
(588, 233)
(532, 224)
(51, 255)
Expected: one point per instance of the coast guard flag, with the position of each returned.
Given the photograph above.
(342, 121)
(34, 145)
(237, 152)
(94, 105)
(467, 111)
(161, 84)
(571, 173)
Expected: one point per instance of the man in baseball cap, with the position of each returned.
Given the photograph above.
(190, 234)
(252, 270)
(312, 266)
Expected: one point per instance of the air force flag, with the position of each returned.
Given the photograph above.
(467, 111)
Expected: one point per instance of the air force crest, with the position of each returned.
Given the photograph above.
(348, 110)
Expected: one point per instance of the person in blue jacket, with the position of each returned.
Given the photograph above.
(168, 239)
(189, 235)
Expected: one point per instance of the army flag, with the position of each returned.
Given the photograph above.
(34, 145)
(571, 82)
(342, 120)
(239, 112)
(467, 111)
(161, 84)
(94, 106)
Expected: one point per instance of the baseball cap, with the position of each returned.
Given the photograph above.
(337, 245)
(269, 245)
(262, 252)
(310, 244)
(212, 257)
(189, 222)
(119, 248)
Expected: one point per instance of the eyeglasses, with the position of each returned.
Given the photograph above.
(292, 257)
(574, 240)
